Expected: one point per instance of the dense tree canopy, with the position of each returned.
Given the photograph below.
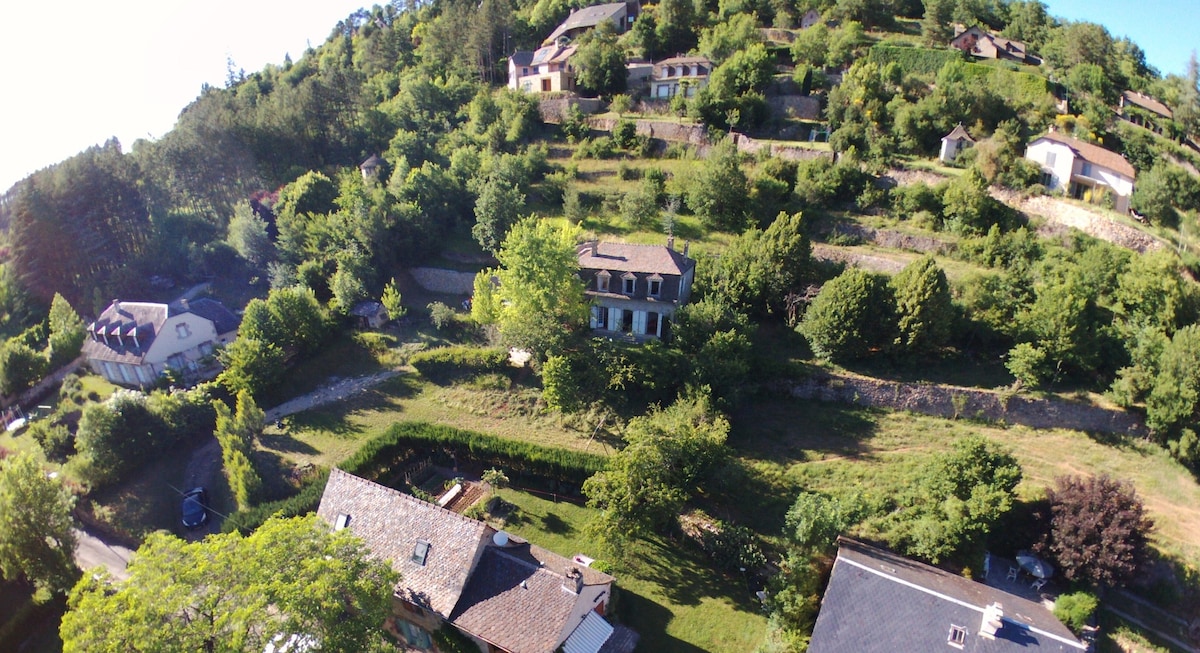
(1098, 530)
(227, 593)
(37, 542)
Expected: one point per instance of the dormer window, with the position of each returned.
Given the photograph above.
(602, 278)
(182, 330)
(420, 552)
(655, 286)
(629, 282)
(343, 520)
(957, 637)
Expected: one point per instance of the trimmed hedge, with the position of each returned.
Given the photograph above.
(449, 363)
(380, 457)
(913, 61)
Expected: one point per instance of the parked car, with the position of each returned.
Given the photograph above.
(195, 507)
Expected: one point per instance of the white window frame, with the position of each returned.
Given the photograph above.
(629, 283)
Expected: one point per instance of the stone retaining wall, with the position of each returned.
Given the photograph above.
(781, 150)
(953, 402)
(552, 109)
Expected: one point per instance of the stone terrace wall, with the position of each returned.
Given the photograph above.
(952, 401)
(780, 150)
(552, 109)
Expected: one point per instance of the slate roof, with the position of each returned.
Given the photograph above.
(366, 308)
(1093, 153)
(214, 311)
(626, 257)
(881, 602)
(391, 523)
(552, 54)
(1148, 103)
(516, 602)
(587, 17)
(372, 161)
(958, 133)
(136, 323)
(521, 57)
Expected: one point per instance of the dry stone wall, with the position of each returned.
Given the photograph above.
(971, 403)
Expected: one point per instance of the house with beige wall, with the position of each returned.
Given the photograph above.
(1082, 170)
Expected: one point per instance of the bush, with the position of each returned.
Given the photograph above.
(442, 316)
(912, 61)
(733, 547)
(1075, 609)
(56, 440)
(624, 134)
(449, 363)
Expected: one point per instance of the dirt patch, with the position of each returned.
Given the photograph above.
(897, 177)
(954, 402)
(894, 239)
(1061, 215)
(823, 252)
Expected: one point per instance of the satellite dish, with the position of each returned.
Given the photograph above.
(500, 538)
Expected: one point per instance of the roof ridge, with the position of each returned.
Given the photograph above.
(408, 497)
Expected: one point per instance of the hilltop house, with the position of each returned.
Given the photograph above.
(133, 343)
(880, 602)
(506, 594)
(1083, 170)
(635, 289)
(546, 70)
(954, 143)
(1144, 111)
(620, 14)
(978, 42)
(676, 75)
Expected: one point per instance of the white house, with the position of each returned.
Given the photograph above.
(133, 343)
(1083, 170)
(810, 18)
(954, 143)
(686, 75)
(545, 70)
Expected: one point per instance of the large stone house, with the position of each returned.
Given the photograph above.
(881, 602)
(507, 595)
(978, 42)
(133, 343)
(620, 14)
(635, 289)
(1083, 170)
(546, 70)
(679, 75)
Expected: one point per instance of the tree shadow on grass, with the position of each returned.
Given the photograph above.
(552, 523)
(684, 575)
(796, 430)
(650, 621)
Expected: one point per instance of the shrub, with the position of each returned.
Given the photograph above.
(913, 61)
(1075, 609)
(442, 316)
(56, 440)
(624, 134)
(732, 547)
(449, 363)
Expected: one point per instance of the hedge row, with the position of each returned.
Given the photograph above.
(913, 61)
(380, 457)
(448, 363)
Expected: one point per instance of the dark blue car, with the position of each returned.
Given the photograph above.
(195, 507)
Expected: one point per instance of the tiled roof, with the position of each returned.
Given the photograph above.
(119, 322)
(1148, 103)
(514, 603)
(626, 257)
(391, 523)
(958, 133)
(587, 17)
(214, 311)
(1094, 154)
(880, 602)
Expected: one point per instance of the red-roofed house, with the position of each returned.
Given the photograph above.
(1144, 111)
(635, 289)
(507, 595)
(1082, 170)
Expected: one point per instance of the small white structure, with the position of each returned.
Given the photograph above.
(1082, 170)
(954, 143)
(810, 18)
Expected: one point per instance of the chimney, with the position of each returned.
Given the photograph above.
(183, 303)
(116, 305)
(685, 247)
(595, 248)
(573, 574)
(992, 616)
(671, 243)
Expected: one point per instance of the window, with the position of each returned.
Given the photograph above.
(602, 278)
(343, 520)
(414, 635)
(655, 287)
(1086, 169)
(1050, 158)
(599, 317)
(652, 324)
(630, 282)
(957, 636)
(663, 91)
(420, 552)
(183, 330)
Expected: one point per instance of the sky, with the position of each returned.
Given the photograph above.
(87, 71)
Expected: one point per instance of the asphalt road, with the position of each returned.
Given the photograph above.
(92, 552)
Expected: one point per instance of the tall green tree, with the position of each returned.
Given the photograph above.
(66, 332)
(924, 309)
(37, 542)
(235, 432)
(853, 315)
(760, 268)
(230, 593)
(496, 210)
(717, 191)
(248, 235)
(600, 61)
(538, 302)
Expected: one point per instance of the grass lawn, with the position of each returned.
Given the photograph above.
(669, 593)
(790, 445)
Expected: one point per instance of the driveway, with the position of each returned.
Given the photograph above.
(91, 552)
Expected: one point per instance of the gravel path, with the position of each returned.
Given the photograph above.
(334, 390)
